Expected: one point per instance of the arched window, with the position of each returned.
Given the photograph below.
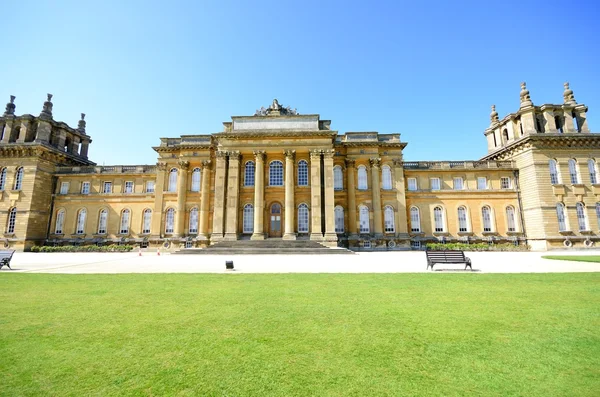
(12, 220)
(554, 175)
(581, 218)
(302, 173)
(339, 219)
(276, 173)
(102, 221)
(193, 227)
(438, 218)
(598, 214)
(463, 225)
(249, 174)
(172, 180)
(363, 215)
(560, 215)
(60, 222)
(147, 221)
(593, 171)
(170, 221)
(81, 215)
(415, 220)
(338, 178)
(388, 220)
(196, 178)
(303, 218)
(19, 179)
(505, 135)
(248, 219)
(3, 178)
(573, 171)
(386, 177)
(124, 229)
(362, 178)
(511, 225)
(486, 215)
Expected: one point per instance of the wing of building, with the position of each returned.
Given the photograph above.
(279, 174)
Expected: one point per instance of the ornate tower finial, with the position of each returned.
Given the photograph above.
(568, 95)
(81, 124)
(10, 107)
(494, 115)
(47, 110)
(276, 110)
(525, 98)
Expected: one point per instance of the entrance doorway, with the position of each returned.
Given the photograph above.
(275, 223)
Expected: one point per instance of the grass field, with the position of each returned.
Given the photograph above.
(300, 334)
(582, 258)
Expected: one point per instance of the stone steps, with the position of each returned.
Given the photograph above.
(266, 247)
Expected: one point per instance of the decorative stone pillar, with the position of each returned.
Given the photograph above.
(330, 235)
(376, 191)
(290, 156)
(351, 183)
(84, 148)
(401, 217)
(315, 192)
(233, 196)
(219, 205)
(157, 214)
(259, 195)
(204, 201)
(181, 196)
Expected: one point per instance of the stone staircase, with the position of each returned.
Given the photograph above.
(266, 247)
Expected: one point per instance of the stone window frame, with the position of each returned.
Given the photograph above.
(431, 184)
(3, 178)
(487, 222)
(11, 220)
(170, 220)
(196, 179)
(582, 221)
(415, 219)
(574, 175)
(302, 173)
(153, 184)
(131, 189)
(303, 215)
(106, 184)
(389, 219)
(64, 187)
(338, 178)
(387, 182)
(146, 221)
(125, 221)
(561, 216)
(363, 179)
(511, 219)
(249, 173)
(276, 173)
(439, 222)
(193, 221)
(555, 177)
(80, 221)
(248, 219)
(59, 223)
(172, 182)
(466, 228)
(593, 171)
(83, 187)
(485, 183)
(339, 219)
(19, 178)
(364, 219)
(102, 221)
(408, 184)
(508, 184)
(459, 186)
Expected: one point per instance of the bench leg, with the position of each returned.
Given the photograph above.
(468, 264)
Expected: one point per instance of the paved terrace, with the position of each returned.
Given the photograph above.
(364, 262)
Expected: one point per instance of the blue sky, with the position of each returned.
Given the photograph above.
(142, 70)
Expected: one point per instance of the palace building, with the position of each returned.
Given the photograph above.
(283, 175)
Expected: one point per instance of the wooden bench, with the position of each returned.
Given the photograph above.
(447, 256)
(5, 257)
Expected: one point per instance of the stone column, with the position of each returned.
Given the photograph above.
(330, 234)
(181, 196)
(219, 205)
(84, 148)
(376, 191)
(315, 190)
(351, 183)
(259, 196)
(569, 124)
(23, 131)
(290, 208)
(401, 217)
(233, 196)
(204, 201)
(8, 126)
(157, 229)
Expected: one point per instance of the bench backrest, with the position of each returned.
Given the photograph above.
(446, 256)
(6, 254)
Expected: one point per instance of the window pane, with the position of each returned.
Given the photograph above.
(412, 184)
(553, 172)
(196, 175)
(481, 183)
(102, 221)
(592, 170)
(172, 180)
(276, 173)
(3, 179)
(415, 220)
(438, 219)
(487, 219)
(249, 174)
(339, 220)
(458, 183)
(435, 183)
(64, 188)
(12, 220)
(150, 187)
(147, 221)
(170, 221)
(60, 221)
(386, 177)
(560, 214)
(389, 224)
(364, 219)
(462, 219)
(248, 221)
(302, 173)
(124, 222)
(193, 227)
(303, 218)
(85, 188)
(362, 178)
(573, 171)
(510, 219)
(581, 218)
(338, 178)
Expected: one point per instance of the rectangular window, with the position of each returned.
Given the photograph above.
(435, 183)
(416, 245)
(85, 188)
(412, 184)
(481, 183)
(107, 187)
(505, 182)
(458, 183)
(366, 244)
(150, 187)
(128, 187)
(64, 188)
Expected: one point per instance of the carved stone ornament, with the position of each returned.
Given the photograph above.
(10, 107)
(375, 162)
(276, 107)
(397, 162)
(259, 154)
(161, 166)
(315, 152)
(290, 153)
(206, 163)
(183, 164)
(328, 153)
(221, 154)
(234, 154)
(350, 163)
(525, 98)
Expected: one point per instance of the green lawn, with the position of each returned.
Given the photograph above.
(585, 258)
(300, 334)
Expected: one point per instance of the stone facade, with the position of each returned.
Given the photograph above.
(280, 174)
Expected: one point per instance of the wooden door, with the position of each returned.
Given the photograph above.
(275, 220)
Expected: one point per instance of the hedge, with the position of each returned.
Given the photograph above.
(477, 247)
(83, 248)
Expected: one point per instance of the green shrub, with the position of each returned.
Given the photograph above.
(83, 248)
(477, 247)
